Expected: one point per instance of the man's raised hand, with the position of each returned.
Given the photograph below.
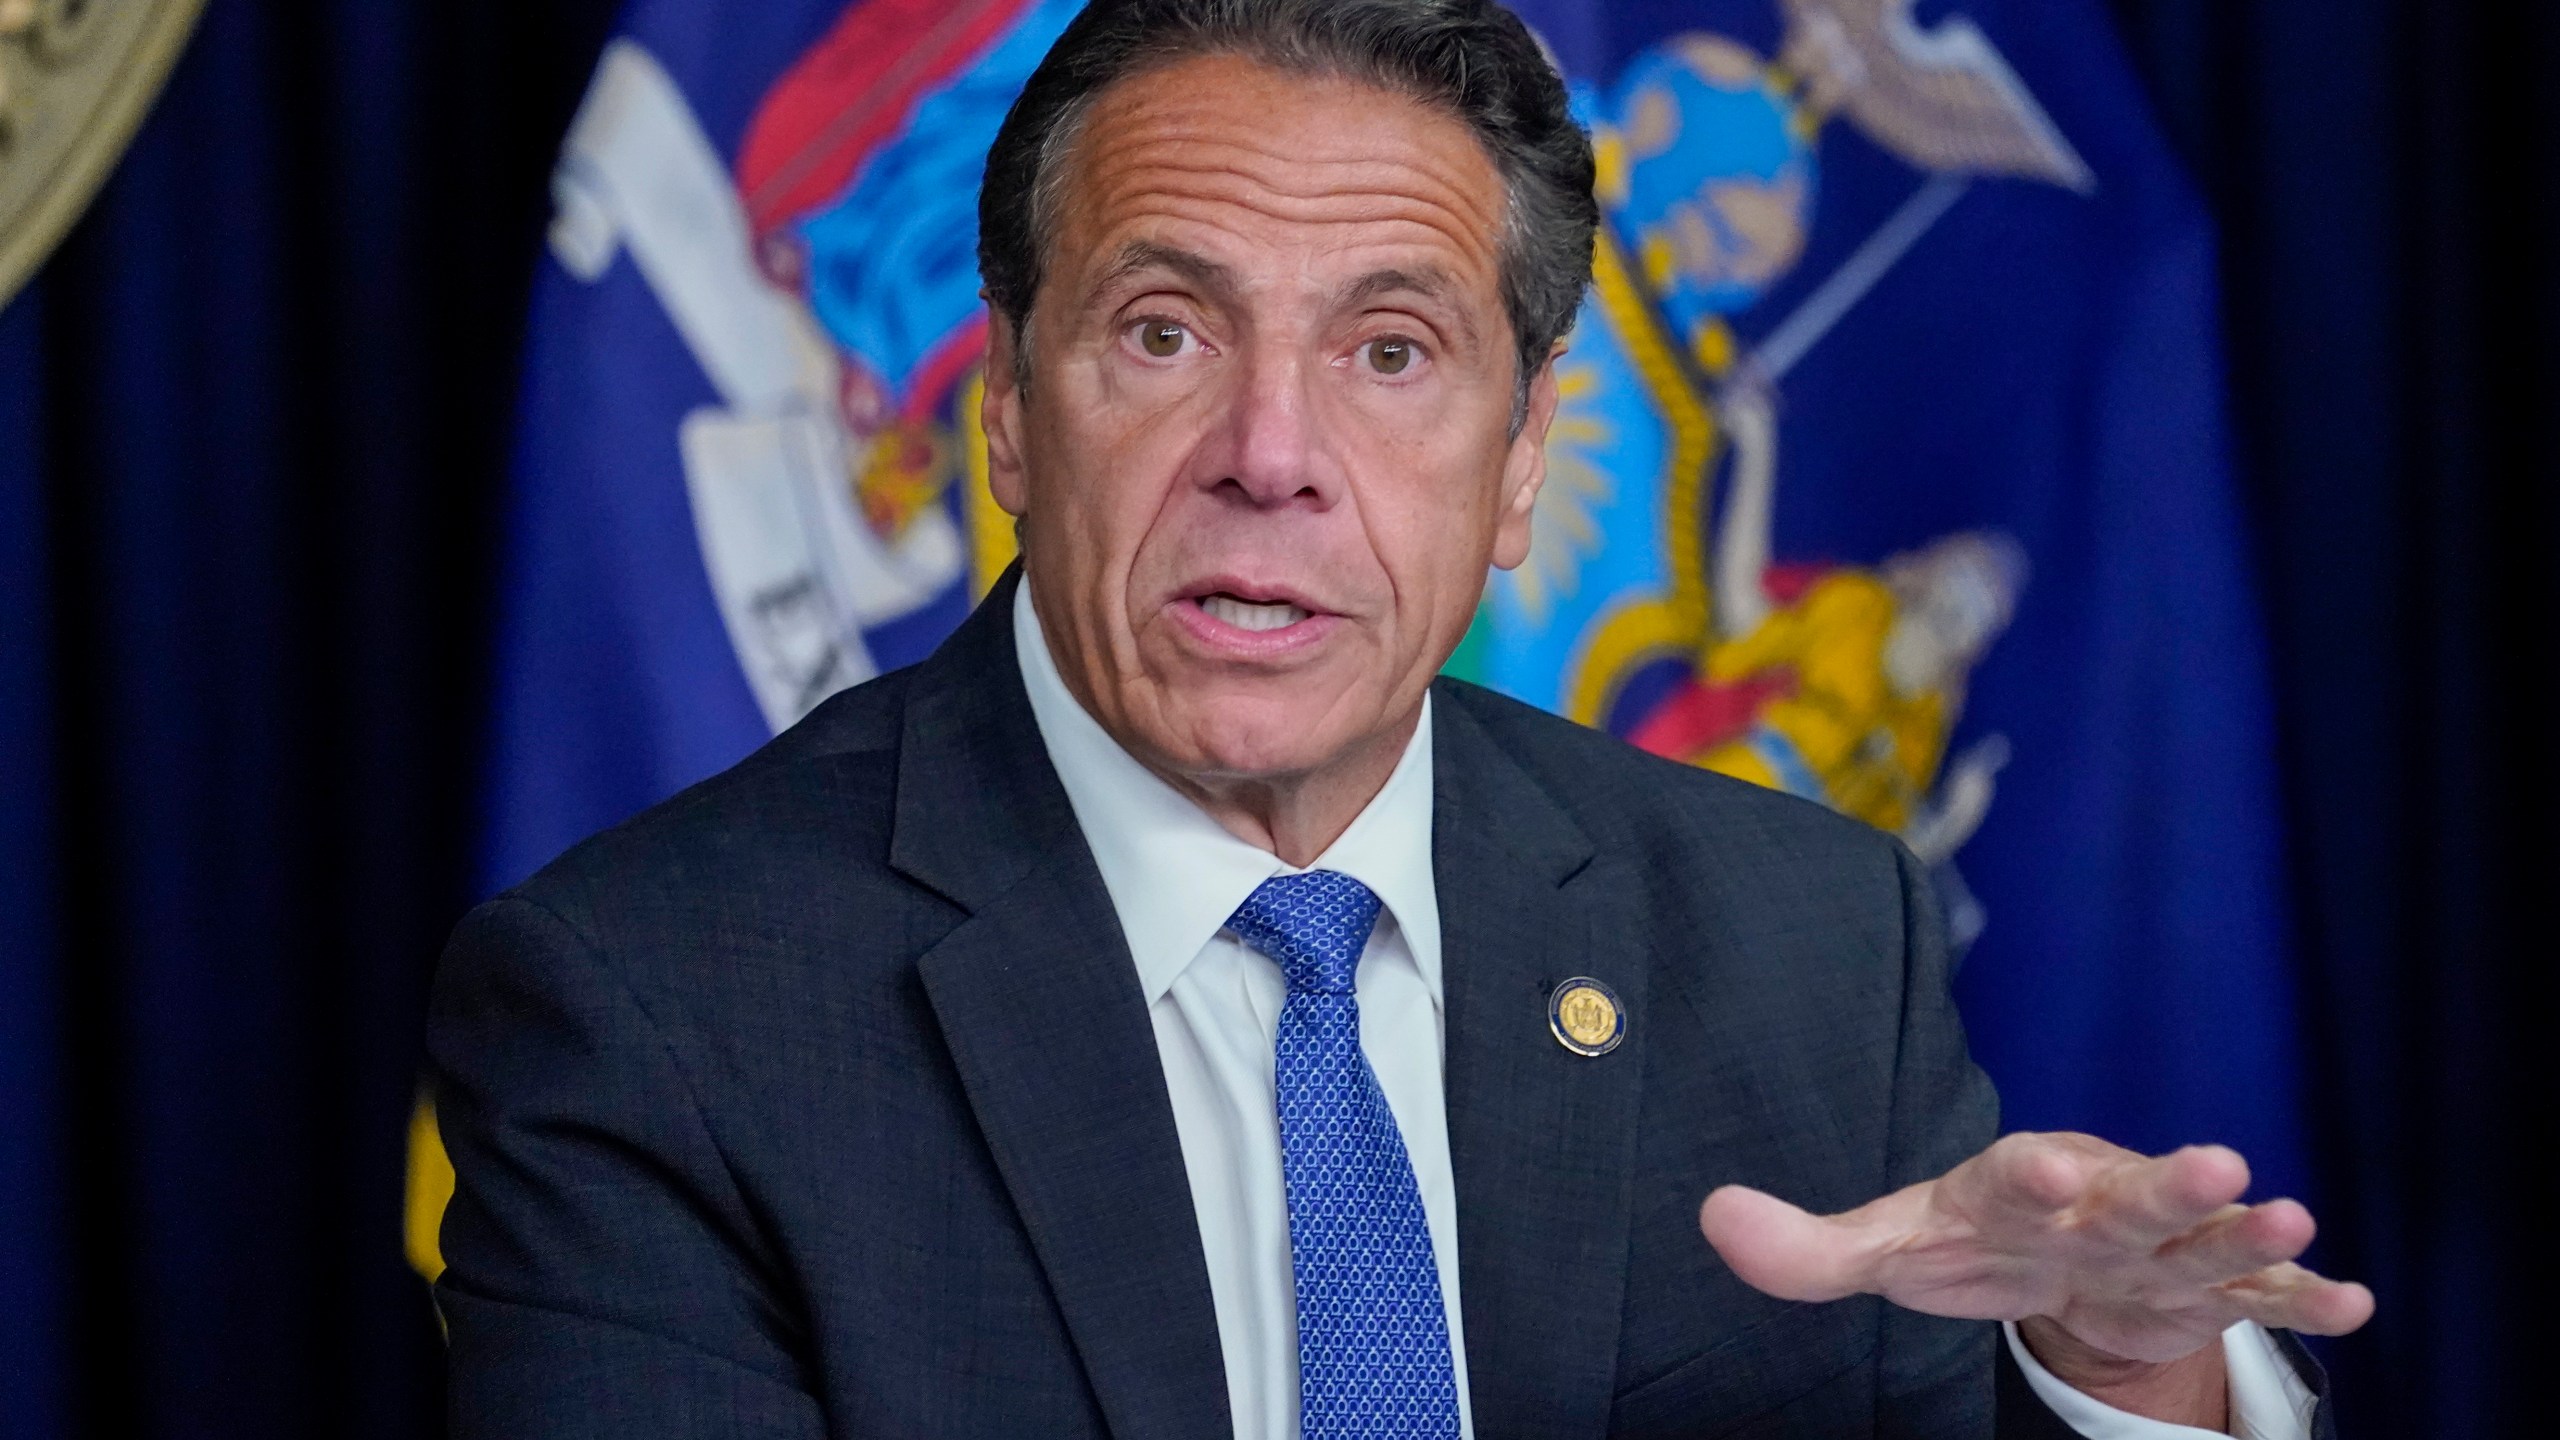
(2143, 1259)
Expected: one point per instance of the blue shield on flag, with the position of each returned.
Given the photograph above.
(1889, 470)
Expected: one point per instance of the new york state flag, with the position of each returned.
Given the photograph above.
(1890, 471)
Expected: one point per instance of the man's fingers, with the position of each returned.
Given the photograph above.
(2239, 1241)
(2288, 1297)
(2038, 1173)
(2024, 1182)
(2132, 1254)
(2144, 1204)
(1781, 1250)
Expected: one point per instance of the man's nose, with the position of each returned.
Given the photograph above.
(1274, 455)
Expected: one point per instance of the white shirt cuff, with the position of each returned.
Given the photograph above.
(2269, 1400)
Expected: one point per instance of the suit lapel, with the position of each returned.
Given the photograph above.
(1542, 1139)
(1041, 1006)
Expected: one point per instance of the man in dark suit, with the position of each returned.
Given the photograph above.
(1170, 1012)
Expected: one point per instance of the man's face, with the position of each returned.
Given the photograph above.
(1265, 454)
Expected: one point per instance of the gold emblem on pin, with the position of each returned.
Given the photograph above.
(1586, 1016)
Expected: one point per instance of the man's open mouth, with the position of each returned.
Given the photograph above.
(1251, 614)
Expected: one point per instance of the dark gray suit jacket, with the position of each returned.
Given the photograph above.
(823, 1100)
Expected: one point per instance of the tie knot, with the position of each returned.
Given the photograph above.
(1313, 926)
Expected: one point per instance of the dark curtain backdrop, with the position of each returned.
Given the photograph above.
(253, 423)
(255, 414)
(2387, 175)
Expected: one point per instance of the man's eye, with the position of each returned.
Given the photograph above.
(1390, 356)
(1161, 338)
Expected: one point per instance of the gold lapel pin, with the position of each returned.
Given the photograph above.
(1586, 1016)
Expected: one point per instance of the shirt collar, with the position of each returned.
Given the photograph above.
(1175, 875)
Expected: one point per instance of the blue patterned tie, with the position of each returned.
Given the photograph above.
(1373, 1339)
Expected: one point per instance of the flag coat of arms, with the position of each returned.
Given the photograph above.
(1889, 470)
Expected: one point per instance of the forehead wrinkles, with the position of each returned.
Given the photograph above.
(1288, 151)
(1218, 196)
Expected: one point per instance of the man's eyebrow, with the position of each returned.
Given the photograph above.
(1430, 282)
(1142, 255)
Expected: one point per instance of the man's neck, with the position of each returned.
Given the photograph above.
(1296, 817)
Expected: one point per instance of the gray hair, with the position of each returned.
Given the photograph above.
(1471, 59)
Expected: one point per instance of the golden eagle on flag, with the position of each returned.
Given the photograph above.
(1649, 608)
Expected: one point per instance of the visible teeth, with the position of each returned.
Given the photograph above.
(1246, 615)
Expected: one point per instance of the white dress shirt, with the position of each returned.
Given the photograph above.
(1175, 875)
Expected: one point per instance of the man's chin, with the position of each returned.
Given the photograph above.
(1257, 738)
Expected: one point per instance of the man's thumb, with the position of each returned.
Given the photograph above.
(1780, 1250)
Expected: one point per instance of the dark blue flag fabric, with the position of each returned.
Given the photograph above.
(1890, 471)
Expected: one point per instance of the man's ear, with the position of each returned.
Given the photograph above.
(1524, 469)
(1000, 415)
